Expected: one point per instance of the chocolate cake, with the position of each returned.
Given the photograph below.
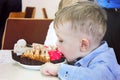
(37, 55)
(15, 56)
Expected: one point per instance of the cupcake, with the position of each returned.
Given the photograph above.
(19, 48)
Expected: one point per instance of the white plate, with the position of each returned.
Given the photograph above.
(34, 67)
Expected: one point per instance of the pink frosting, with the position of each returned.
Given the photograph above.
(55, 55)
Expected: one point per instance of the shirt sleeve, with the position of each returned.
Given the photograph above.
(94, 72)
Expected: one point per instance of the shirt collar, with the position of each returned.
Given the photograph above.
(87, 59)
(73, 62)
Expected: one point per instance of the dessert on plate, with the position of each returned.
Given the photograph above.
(36, 54)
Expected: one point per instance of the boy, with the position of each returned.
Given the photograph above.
(80, 29)
(51, 37)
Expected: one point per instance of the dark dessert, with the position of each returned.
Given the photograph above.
(15, 56)
(39, 55)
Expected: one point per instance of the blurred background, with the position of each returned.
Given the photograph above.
(50, 6)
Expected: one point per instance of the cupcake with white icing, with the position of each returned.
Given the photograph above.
(19, 48)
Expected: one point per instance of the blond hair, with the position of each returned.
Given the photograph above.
(65, 3)
(84, 17)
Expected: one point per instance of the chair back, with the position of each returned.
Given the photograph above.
(16, 15)
(30, 12)
(44, 13)
(32, 30)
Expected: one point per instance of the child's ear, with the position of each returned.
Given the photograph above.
(84, 45)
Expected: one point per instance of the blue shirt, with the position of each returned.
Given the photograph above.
(108, 3)
(100, 64)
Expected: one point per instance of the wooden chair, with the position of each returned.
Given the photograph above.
(29, 13)
(32, 30)
(16, 15)
(44, 13)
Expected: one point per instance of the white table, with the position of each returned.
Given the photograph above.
(10, 70)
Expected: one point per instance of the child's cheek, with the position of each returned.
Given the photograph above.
(59, 48)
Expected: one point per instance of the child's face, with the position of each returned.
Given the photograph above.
(68, 43)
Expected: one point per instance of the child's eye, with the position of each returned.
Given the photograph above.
(60, 41)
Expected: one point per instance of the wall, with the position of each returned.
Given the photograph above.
(50, 5)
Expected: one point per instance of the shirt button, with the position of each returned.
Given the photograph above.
(78, 64)
(66, 74)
